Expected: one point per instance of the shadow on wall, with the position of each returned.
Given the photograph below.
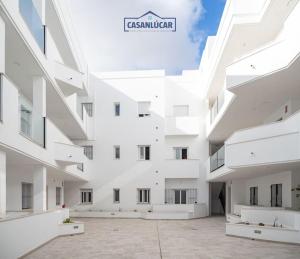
(127, 173)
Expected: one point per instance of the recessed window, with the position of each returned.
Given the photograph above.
(253, 196)
(88, 152)
(117, 108)
(86, 196)
(144, 109)
(117, 152)
(181, 153)
(180, 110)
(89, 108)
(276, 195)
(58, 196)
(143, 195)
(116, 195)
(144, 152)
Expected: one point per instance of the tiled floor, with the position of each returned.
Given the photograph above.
(134, 238)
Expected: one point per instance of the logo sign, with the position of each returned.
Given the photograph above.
(149, 22)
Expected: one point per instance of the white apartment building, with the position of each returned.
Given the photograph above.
(220, 140)
(251, 87)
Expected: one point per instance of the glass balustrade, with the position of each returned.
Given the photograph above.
(32, 123)
(33, 21)
(217, 160)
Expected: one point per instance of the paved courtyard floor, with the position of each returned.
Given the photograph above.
(134, 238)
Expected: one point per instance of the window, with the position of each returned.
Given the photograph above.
(27, 196)
(116, 195)
(88, 152)
(276, 195)
(117, 109)
(143, 195)
(180, 196)
(181, 152)
(117, 152)
(180, 110)
(58, 196)
(144, 109)
(26, 118)
(86, 196)
(89, 108)
(253, 196)
(144, 152)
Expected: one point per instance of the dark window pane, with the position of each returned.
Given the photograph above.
(184, 153)
(147, 151)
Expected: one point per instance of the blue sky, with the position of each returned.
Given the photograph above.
(211, 18)
(99, 27)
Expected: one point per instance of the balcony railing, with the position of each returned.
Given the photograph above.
(33, 21)
(216, 107)
(32, 123)
(217, 160)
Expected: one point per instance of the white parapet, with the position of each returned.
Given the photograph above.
(68, 154)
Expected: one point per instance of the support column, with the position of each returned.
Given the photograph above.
(2, 183)
(39, 189)
(2, 46)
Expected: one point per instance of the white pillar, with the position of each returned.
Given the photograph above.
(2, 46)
(39, 188)
(2, 183)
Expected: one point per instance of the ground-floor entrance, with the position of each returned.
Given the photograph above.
(217, 197)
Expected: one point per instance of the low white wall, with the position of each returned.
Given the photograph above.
(267, 216)
(22, 235)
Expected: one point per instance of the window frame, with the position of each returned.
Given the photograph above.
(144, 147)
(253, 195)
(180, 149)
(89, 112)
(117, 147)
(89, 155)
(115, 191)
(117, 112)
(58, 198)
(144, 114)
(84, 197)
(146, 196)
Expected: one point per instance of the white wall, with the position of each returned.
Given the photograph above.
(128, 131)
(16, 175)
(22, 235)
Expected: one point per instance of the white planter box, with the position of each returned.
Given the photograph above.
(71, 228)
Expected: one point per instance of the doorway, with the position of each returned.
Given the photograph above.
(217, 198)
(27, 196)
(276, 195)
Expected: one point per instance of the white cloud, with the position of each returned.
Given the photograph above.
(99, 27)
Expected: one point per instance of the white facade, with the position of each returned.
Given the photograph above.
(223, 139)
(252, 126)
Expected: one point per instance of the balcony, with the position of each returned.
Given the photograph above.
(275, 144)
(70, 80)
(34, 22)
(269, 59)
(68, 154)
(177, 126)
(32, 123)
